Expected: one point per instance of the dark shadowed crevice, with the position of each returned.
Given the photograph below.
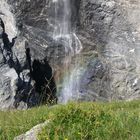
(41, 87)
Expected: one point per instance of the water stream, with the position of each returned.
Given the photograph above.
(64, 33)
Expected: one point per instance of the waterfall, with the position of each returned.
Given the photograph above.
(62, 18)
(63, 33)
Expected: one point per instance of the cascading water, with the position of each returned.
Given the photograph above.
(63, 33)
(62, 18)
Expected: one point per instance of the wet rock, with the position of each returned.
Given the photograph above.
(108, 27)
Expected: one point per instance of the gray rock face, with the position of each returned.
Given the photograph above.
(14, 70)
(109, 31)
(113, 25)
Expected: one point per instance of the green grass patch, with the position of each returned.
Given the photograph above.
(94, 121)
(14, 123)
(76, 121)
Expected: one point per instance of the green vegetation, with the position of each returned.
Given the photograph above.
(14, 123)
(76, 121)
(94, 121)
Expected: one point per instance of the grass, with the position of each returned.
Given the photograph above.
(76, 121)
(14, 123)
(94, 121)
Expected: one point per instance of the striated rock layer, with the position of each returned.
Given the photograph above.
(109, 31)
(113, 25)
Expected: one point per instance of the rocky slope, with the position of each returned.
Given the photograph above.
(110, 35)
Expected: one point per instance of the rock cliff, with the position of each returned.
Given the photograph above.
(113, 25)
(109, 31)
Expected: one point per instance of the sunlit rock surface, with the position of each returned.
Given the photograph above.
(109, 31)
(114, 27)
